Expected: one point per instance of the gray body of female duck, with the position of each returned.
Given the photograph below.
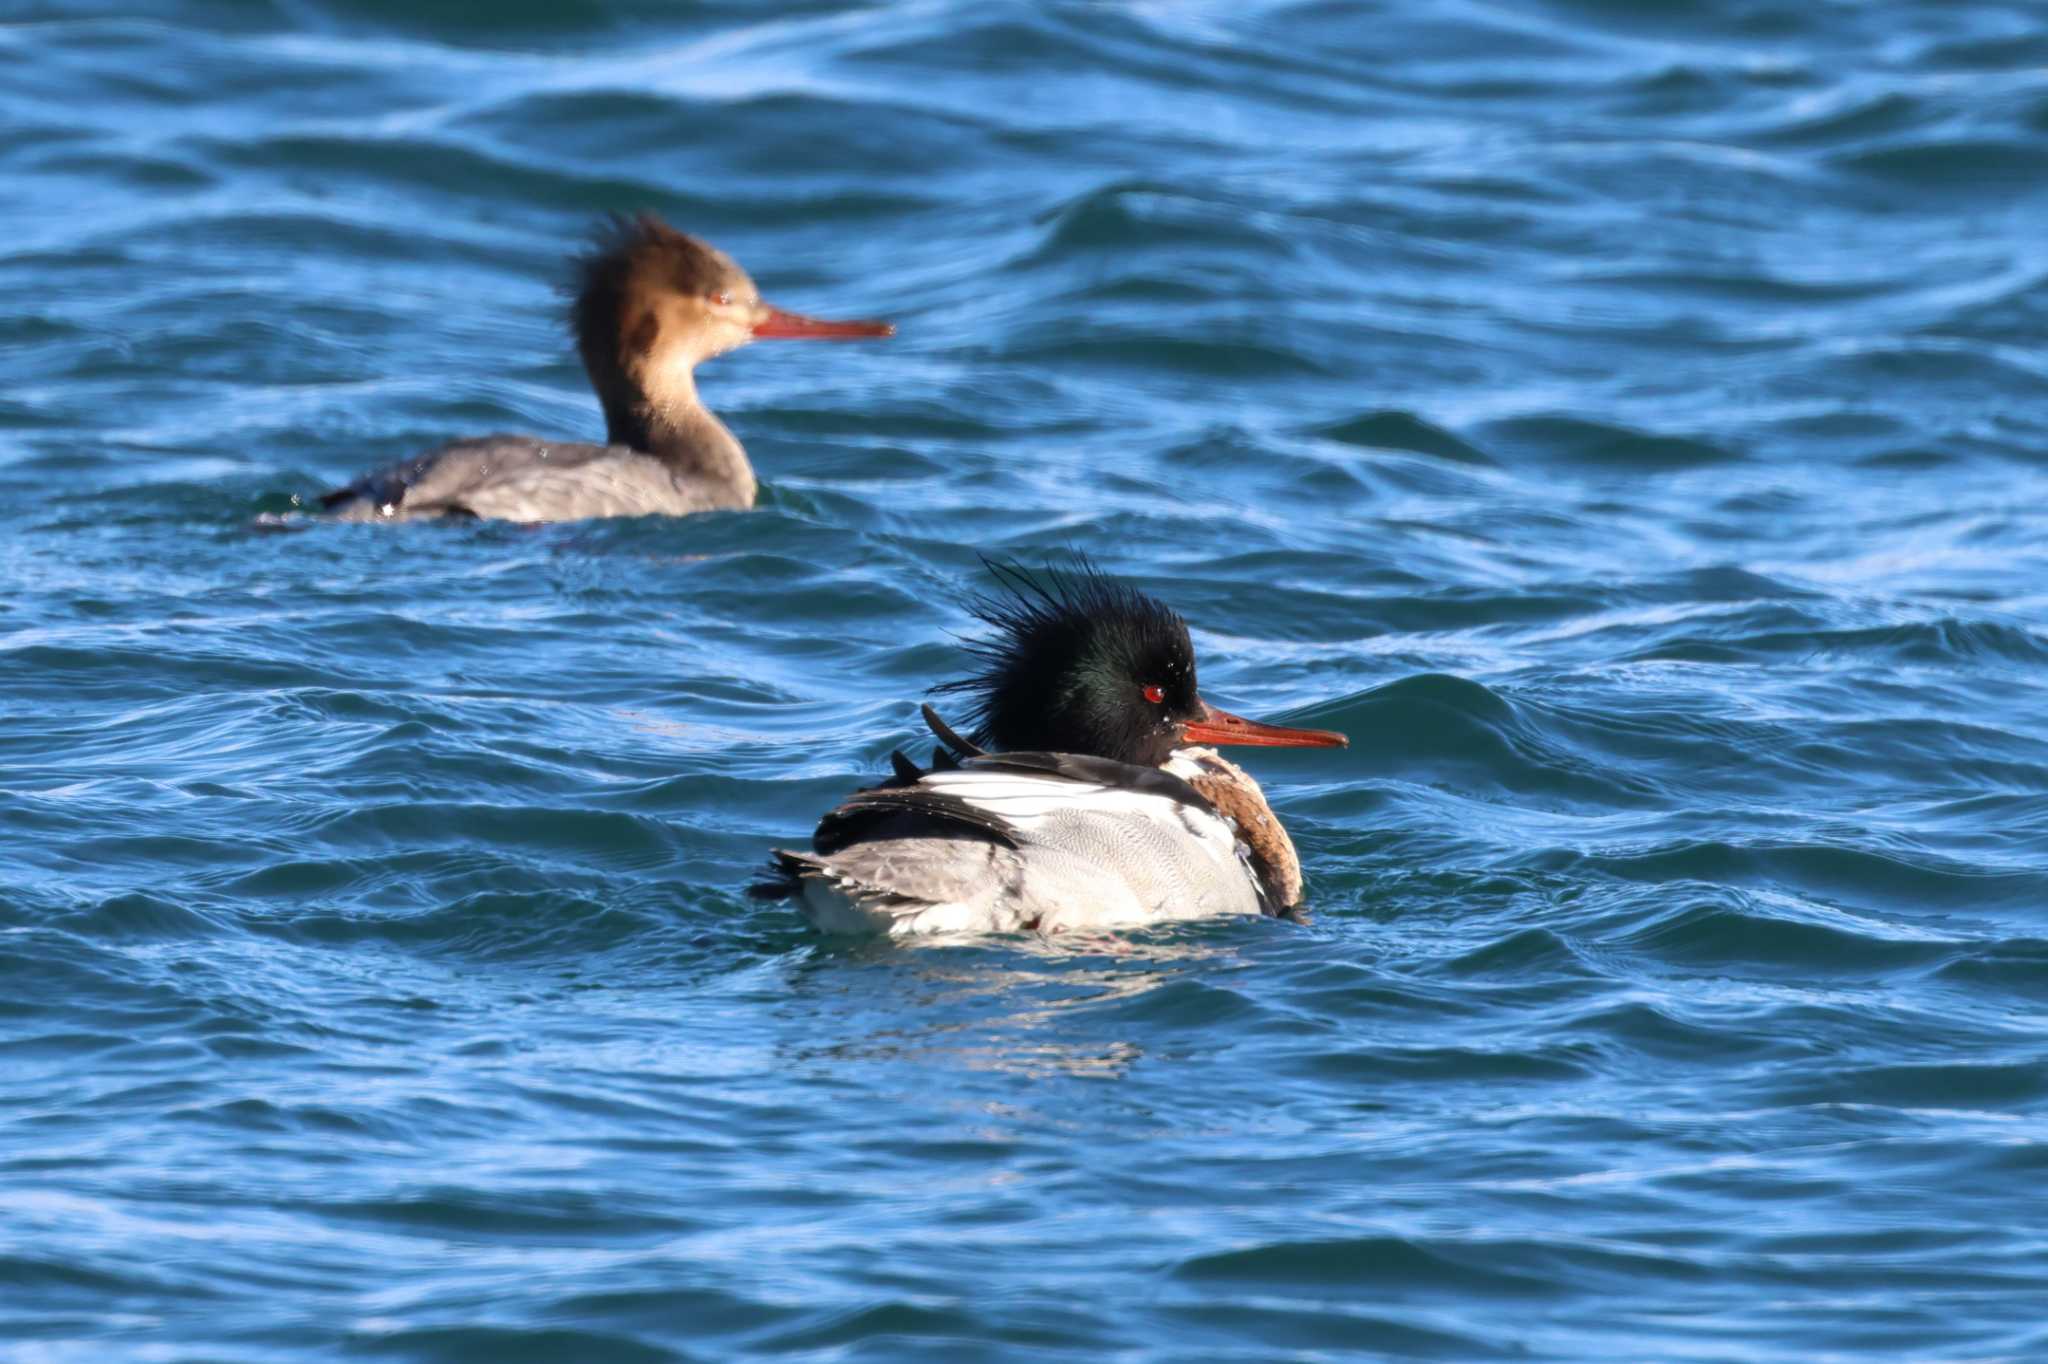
(651, 305)
(1105, 807)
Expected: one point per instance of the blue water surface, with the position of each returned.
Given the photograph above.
(1627, 421)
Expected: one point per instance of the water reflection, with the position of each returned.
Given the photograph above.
(1028, 1006)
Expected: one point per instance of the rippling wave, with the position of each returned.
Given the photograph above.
(1625, 422)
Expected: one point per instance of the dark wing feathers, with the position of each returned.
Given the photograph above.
(385, 487)
(785, 878)
(1109, 772)
(907, 812)
(943, 732)
(904, 808)
(1121, 776)
(787, 872)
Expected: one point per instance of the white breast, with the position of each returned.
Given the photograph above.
(1096, 855)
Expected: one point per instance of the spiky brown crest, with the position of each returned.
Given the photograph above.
(634, 258)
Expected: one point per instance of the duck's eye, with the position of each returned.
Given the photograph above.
(722, 300)
(1155, 694)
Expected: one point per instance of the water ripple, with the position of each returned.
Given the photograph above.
(1620, 420)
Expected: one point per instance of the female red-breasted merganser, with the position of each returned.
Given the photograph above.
(652, 304)
(1100, 805)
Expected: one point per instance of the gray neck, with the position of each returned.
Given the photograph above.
(682, 433)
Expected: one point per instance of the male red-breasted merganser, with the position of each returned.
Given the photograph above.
(652, 304)
(1100, 805)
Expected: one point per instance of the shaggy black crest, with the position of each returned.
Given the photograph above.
(1072, 665)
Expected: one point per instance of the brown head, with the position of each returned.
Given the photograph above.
(652, 303)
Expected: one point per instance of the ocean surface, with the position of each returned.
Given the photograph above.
(1628, 422)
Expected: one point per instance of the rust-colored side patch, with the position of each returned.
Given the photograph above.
(1232, 791)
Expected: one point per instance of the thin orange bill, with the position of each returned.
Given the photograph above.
(1221, 727)
(775, 324)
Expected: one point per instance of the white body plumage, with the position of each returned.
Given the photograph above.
(1072, 854)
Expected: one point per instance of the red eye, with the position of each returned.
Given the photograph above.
(1155, 694)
